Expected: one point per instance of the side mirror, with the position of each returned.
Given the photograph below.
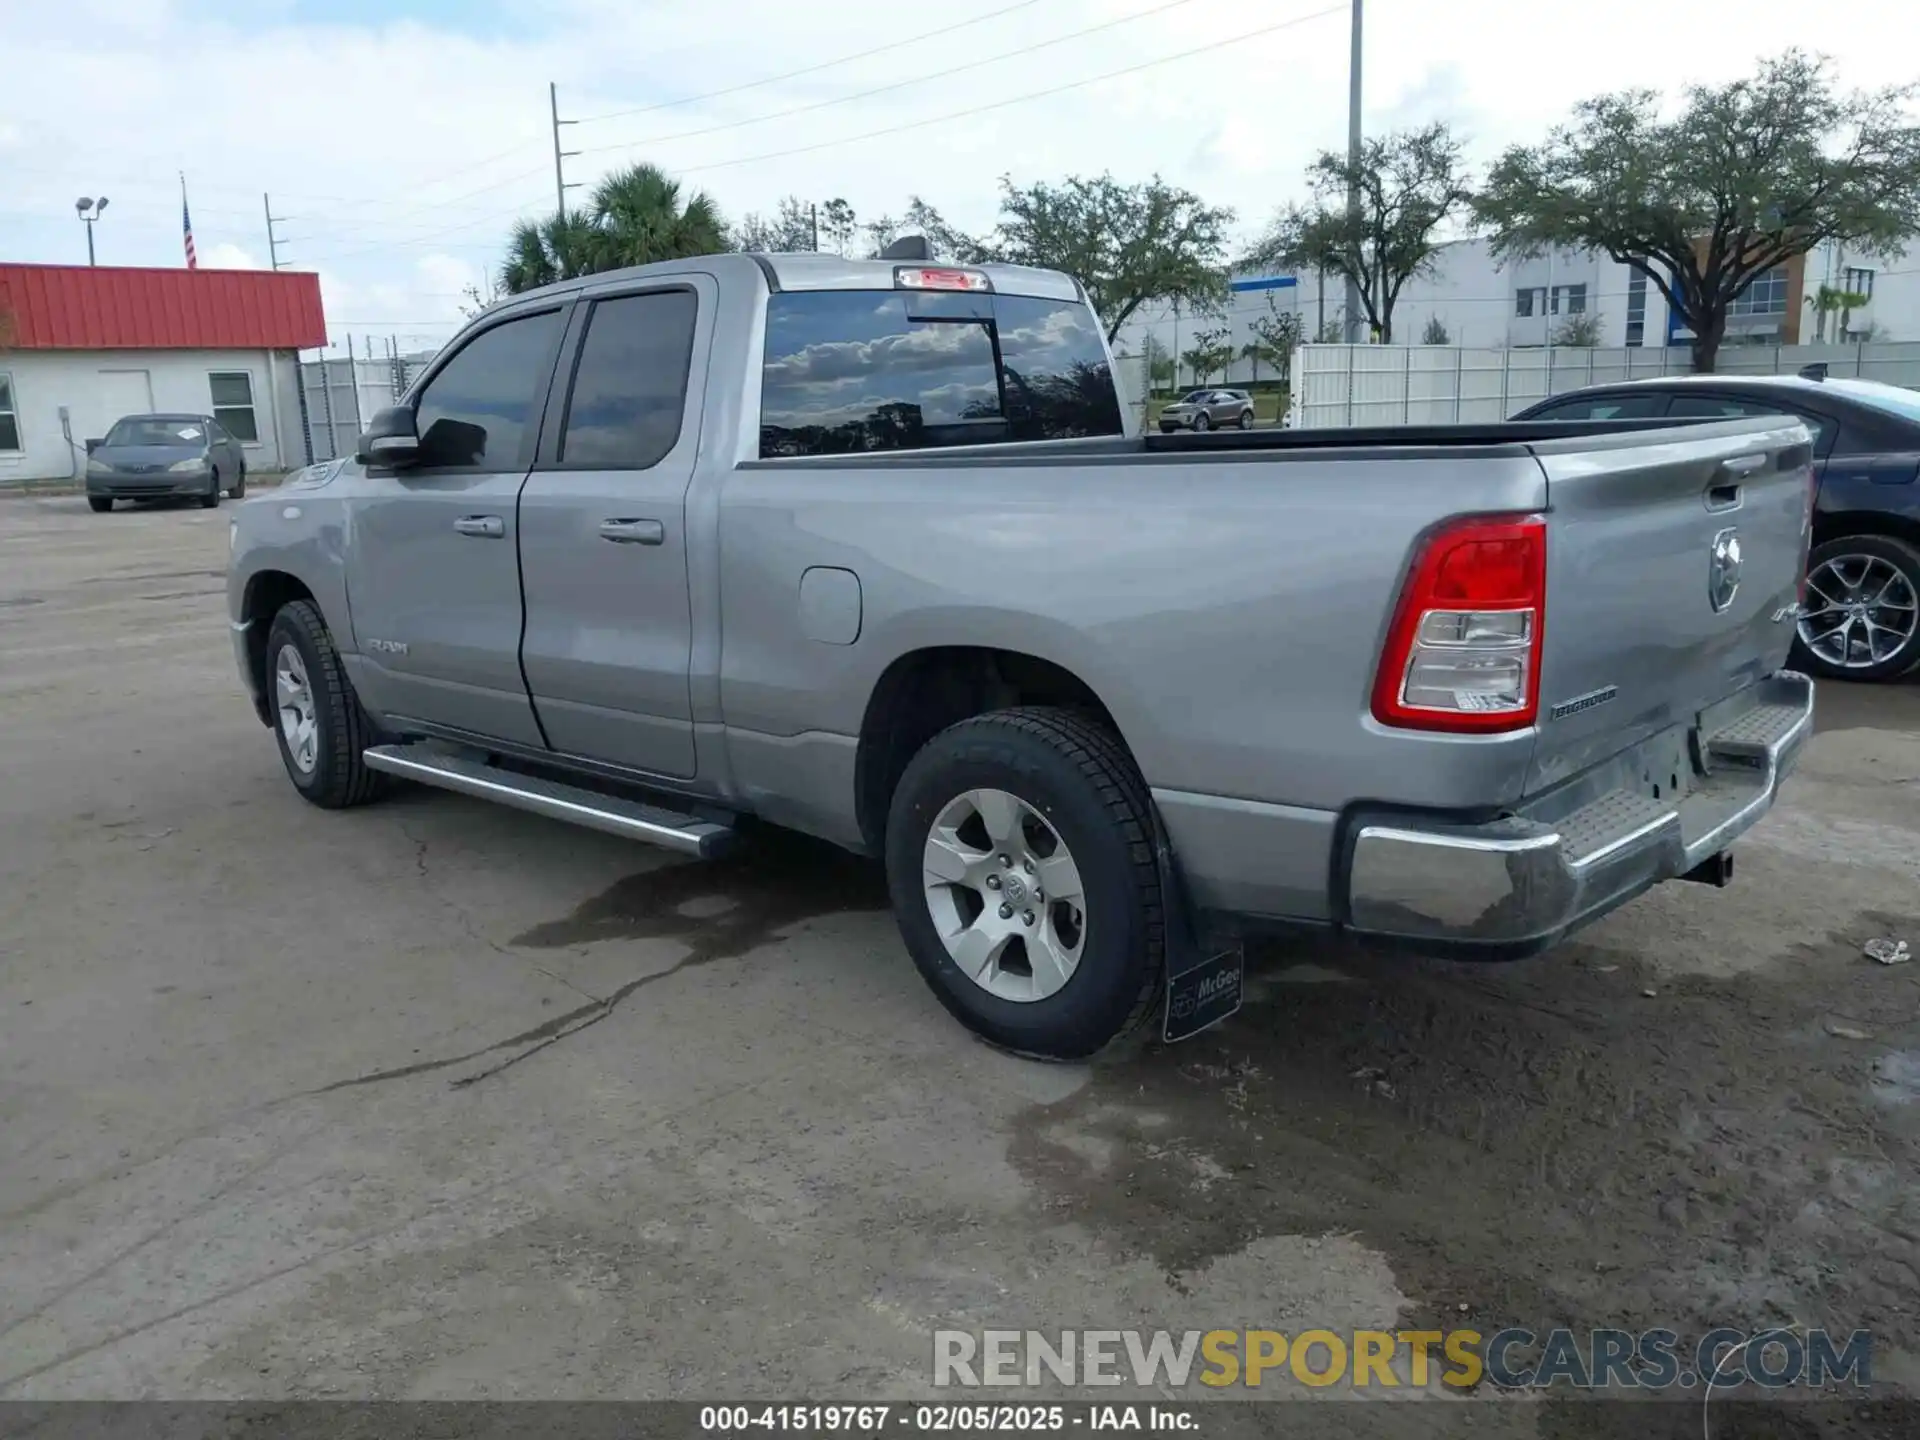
(391, 441)
(93, 445)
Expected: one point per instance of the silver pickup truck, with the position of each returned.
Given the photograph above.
(861, 548)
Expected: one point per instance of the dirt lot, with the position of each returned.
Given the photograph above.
(438, 1100)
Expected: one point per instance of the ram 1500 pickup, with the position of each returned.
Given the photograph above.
(864, 549)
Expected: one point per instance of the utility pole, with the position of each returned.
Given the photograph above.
(813, 213)
(1353, 167)
(273, 240)
(560, 186)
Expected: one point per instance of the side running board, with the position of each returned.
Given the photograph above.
(555, 799)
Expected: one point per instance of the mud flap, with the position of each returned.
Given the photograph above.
(1206, 975)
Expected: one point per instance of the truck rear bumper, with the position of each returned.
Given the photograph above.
(1514, 886)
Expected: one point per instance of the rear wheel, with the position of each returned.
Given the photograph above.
(1201, 421)
(1246, 420)
(318, 722)
(212, 497)
(1862, 619)
(1020, 861)
(239, 485)
(100, 504)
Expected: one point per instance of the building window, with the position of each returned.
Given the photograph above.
(1570, 299)
(1636, 309)
(1530, 301)
(1859, 282)
(233, 404)
(1767, 295)
(9, 416)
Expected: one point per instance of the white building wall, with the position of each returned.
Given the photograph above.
(96, 387)
(1893, 308)
(1477, 301)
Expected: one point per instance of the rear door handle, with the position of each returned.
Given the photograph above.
(633, 532)
(1724, 492)
(486, 527)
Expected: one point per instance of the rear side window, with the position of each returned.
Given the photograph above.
(860, 370)
(1607, 407)
(1059, 385)
(478, 410)
(1725, 406)
(630, 386)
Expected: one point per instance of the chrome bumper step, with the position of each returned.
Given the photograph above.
(555, 799)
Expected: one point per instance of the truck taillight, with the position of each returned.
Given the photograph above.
(1463, 653)
(939, 277)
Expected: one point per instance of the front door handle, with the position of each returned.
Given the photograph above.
(486, 527)
(633, 532)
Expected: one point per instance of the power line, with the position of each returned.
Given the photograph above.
(1023, 99)
(893, 86)
(1031, 95)
(811, 69)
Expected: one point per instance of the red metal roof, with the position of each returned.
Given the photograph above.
(85, 307)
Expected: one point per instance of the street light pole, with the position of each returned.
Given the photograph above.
(1353, 171)
(90, 210)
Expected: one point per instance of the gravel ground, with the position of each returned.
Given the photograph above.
(437, 1100)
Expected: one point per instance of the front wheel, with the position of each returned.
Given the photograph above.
(212, 497)
(1021, 867)
(239, 485)
(1862, 619)
(318, 722)
(100, 504)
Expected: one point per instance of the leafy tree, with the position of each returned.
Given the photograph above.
(1331, 332)
(1275, 334)
(788, 231)
(837, 225)
(1409, 184)
(1126, 243)
(1210, 354)
(1435, 332)
(473, 300)
(635, 216)
(1580, 331)
(1160, 365)
(1745, 177)
(949, 242)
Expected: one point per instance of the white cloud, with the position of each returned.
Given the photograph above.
(399, 152)
(226, 256)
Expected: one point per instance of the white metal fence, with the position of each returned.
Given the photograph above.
(1446, 384)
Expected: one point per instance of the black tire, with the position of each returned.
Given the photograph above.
(1078, 775)
(1903, 557)
(100, 504)
(239, 486)
(212, 498)
(340, 777)
(1246, 419)
(1201, 421)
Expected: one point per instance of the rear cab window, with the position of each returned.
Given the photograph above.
(851, 371)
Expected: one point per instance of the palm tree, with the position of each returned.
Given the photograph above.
(635, 217)
(540, 252)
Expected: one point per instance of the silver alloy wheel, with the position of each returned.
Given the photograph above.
(1863, 613)
(299, 719)
(1005, 895)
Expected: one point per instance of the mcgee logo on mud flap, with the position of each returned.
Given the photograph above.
(1204, 995)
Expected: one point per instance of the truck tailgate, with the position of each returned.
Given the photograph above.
(1673, 566)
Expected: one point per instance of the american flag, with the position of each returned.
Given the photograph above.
(186, 226)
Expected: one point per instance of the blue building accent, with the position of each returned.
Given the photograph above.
(1269, 282)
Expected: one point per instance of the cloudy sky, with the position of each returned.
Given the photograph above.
(401, 138)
